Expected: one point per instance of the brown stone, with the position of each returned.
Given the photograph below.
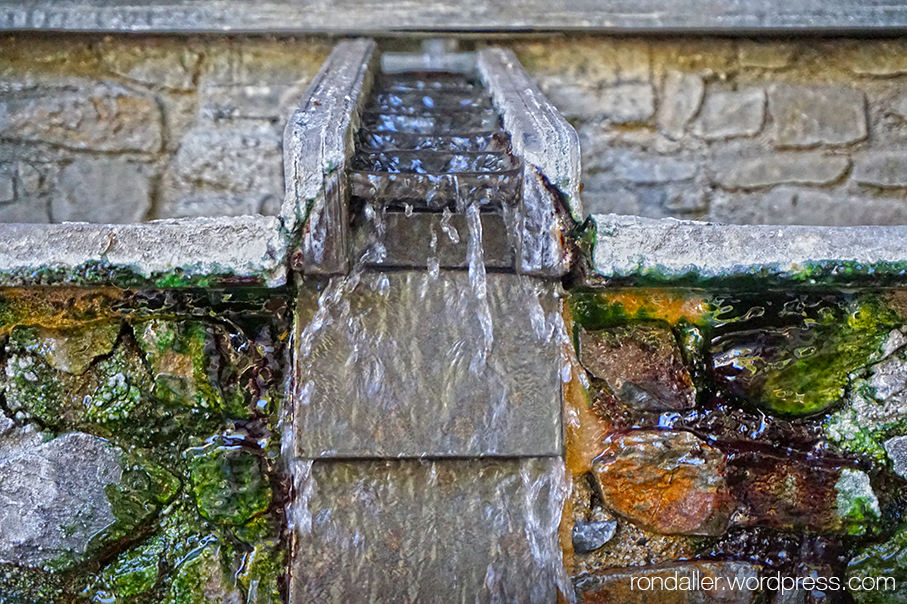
(641, 364)
(794, 493)
(656, 585)
(664, 481)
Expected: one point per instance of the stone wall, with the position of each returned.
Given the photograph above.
(812, 131)
(121, 129)
(127, 129)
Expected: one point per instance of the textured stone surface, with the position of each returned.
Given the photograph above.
(56, 498)
(807, 116)
(681, 97)
(731, 114)
(71, 350)
(626, 585)
(779, 168)
(93, 117)
(412, 531)
(244, 248)
(589, 536)
(787, 205)
(878, 58)
(642, 365)
(620, 103)
(667, 482)
(102, 191)
(481, 391)
(881, 168)
(227, 171)
(191, 15)
(675, 248)
(765, 55)
(794, 493)
(897, 451)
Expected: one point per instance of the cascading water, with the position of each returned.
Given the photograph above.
(453, 372)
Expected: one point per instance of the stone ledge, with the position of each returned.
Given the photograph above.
(670, 250)
(197, 252)
(472, 15)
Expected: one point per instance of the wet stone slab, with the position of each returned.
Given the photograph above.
(450, 531)
(410, 364)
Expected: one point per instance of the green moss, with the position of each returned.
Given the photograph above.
(204, 577)
(887, 560)
(858, 506)
(230, 482)
(260, 574)
(31, 586)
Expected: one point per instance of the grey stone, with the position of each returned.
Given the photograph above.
(93, 117)
(266, 102)
(152, 63)
(680, 100)
(608, 199)
(813, 168)
(899, 106)
(28, 210)
(110, 191)
(29, 178)
(190, 16)
(589, 536)
(881, 168)
(441, 535)
(624, 585)
(550, 150)
(619, 103)
(316, 150)
(731, 114)
(792, 206)
(897, 451)
(877, 57)
(627, 166)
(806, 116)
(199, 204)
(628, 246)
(765, 55)
(488, 372)
(54, 506)
(247, 249)
(235, 159)
(7, 183)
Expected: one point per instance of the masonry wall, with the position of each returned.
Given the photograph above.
(126, 129)
(807, 131)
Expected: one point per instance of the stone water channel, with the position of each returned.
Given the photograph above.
(429, 381)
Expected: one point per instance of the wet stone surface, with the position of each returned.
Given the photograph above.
(667, 482)
(799, 402)
(642, 365)
(407, 364)
(452, 531)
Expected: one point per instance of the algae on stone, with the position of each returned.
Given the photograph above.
(229, 480)
(884, 561)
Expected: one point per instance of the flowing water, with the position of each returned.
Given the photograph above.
(422, 393)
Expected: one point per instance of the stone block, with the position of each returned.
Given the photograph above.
(730, 114)
(643, 168)
(156, 64)
(91, 117)
(666, 482)
(680, 100)
(455, 531)
(59, 497)
(881, 168)
(765, 55)
(407, 364)
(877, 57)
(788, 205)
(807, 116)
(813, 168)
(28, 210)
(108, 191)
(7, 183)
(619, 103)
(227, 170)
